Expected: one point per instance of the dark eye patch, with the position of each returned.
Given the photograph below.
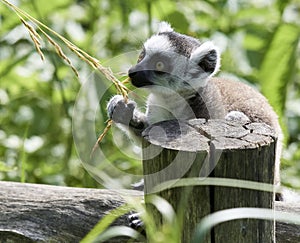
(160, 58)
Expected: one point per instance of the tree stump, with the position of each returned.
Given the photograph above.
(215, 148)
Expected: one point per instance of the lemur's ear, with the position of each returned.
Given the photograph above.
(164, 27)
(207, 57)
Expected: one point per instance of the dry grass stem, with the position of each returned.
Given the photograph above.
(80, 53)
(60, 52)
(100, 138)
(121, 88)
(126, 81)
(34, 36)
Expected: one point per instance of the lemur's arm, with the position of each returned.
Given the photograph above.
(126, 115)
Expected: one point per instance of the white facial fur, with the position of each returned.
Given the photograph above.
(157, 43)
(164, 27)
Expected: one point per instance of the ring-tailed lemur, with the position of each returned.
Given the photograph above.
(177, 70)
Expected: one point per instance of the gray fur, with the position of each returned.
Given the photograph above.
(182, 44)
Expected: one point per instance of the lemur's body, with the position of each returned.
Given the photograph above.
(205, 103)
(178, 70)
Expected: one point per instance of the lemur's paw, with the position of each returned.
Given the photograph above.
(120, 111)
(236, 116)
(136, 223)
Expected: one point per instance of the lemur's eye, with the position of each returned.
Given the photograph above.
(159, 66)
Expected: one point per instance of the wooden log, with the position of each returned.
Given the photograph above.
(42, 213)
(287, 233)
(214, 148)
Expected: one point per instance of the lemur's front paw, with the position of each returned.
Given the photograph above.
(237, 116)
(120, 111)
(136, 223)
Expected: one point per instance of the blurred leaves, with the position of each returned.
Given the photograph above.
(278, 65)
(5, 168)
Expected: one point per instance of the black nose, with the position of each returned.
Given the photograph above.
(132, 72)
(139, 78)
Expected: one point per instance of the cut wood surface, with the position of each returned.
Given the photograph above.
(42, 213)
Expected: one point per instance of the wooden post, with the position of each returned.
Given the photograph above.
(214, 148)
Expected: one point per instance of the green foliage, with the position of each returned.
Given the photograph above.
(280, 58)
(5, 168)
(259, 43)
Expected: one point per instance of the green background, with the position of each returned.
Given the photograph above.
(259, 41)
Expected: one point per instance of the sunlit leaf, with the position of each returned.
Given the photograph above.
(178, 21)
(6, 168)
(278, 65)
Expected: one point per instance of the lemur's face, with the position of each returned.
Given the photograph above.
(174, 61)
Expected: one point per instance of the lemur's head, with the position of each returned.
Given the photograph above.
(174, 61)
